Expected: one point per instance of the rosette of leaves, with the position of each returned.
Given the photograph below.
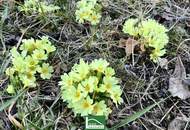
(88, 88)
(37, 6)
(88, 11)
(28, 62)
(149, 33)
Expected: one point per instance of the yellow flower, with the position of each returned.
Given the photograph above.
(82, 69)
(28, 45)
(10, 89)
(10, 71)
(46, 45)
(66, 94)
(116, 95)
(151, 33)
(88, 86)
(108, 84)
(39, 55)
(99, 65)
(66, 81)
(130, 27)
(14, 52)
(109, 72)
(83, 14)
(99, 108)
(31, 63)
(28, 79)
(87, 11)
(85, 107)
(39, 44)
(94, 18)
(81, 4)
(19, 64)
(156, 53)
(45, 71)
(76, 94)
(49, 48)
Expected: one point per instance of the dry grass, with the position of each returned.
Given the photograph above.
(143, 82)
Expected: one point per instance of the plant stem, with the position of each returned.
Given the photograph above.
(91, 39)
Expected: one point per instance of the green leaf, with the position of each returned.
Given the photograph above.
(4, 14)
(9, 102)
(134, 116)
(33, 125)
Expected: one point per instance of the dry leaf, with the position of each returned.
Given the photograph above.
(163, 63)
(129, 45)
(176, 85)
(177, 124)
(186, 81)
(142, 48)
(15, 122)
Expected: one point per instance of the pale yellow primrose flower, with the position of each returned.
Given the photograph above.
(66, 95)
(94, 18)
(31, 61)
(86, 11)
(28, 79)
(87, 87)
(82, 69)
(85, 106)
(10, 89)
(28, 45)
(26, 63)
(14, 52)
(81, 4)
(109, 72)
(19, 64)
(66, 81)
(76, 95)
(156, 54)
(99, 108)
(108, 84)
(99, 65)
(81, 15)
(151, 34)
(130, 27)
(45, 71)
(116, 95)
(10, 71)
(39, 55)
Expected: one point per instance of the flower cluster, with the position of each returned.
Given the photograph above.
(88, 87)
(88, 10)
(36, 6)
(151, 34)
(30, 60)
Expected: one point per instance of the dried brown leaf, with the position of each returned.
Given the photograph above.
(163, 63)
(186, 81)
(15, 122)
(176, 85)
(176, 124)
(142, 48)
(179, 71)
(129, 45)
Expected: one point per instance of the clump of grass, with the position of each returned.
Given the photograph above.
(37, 6)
